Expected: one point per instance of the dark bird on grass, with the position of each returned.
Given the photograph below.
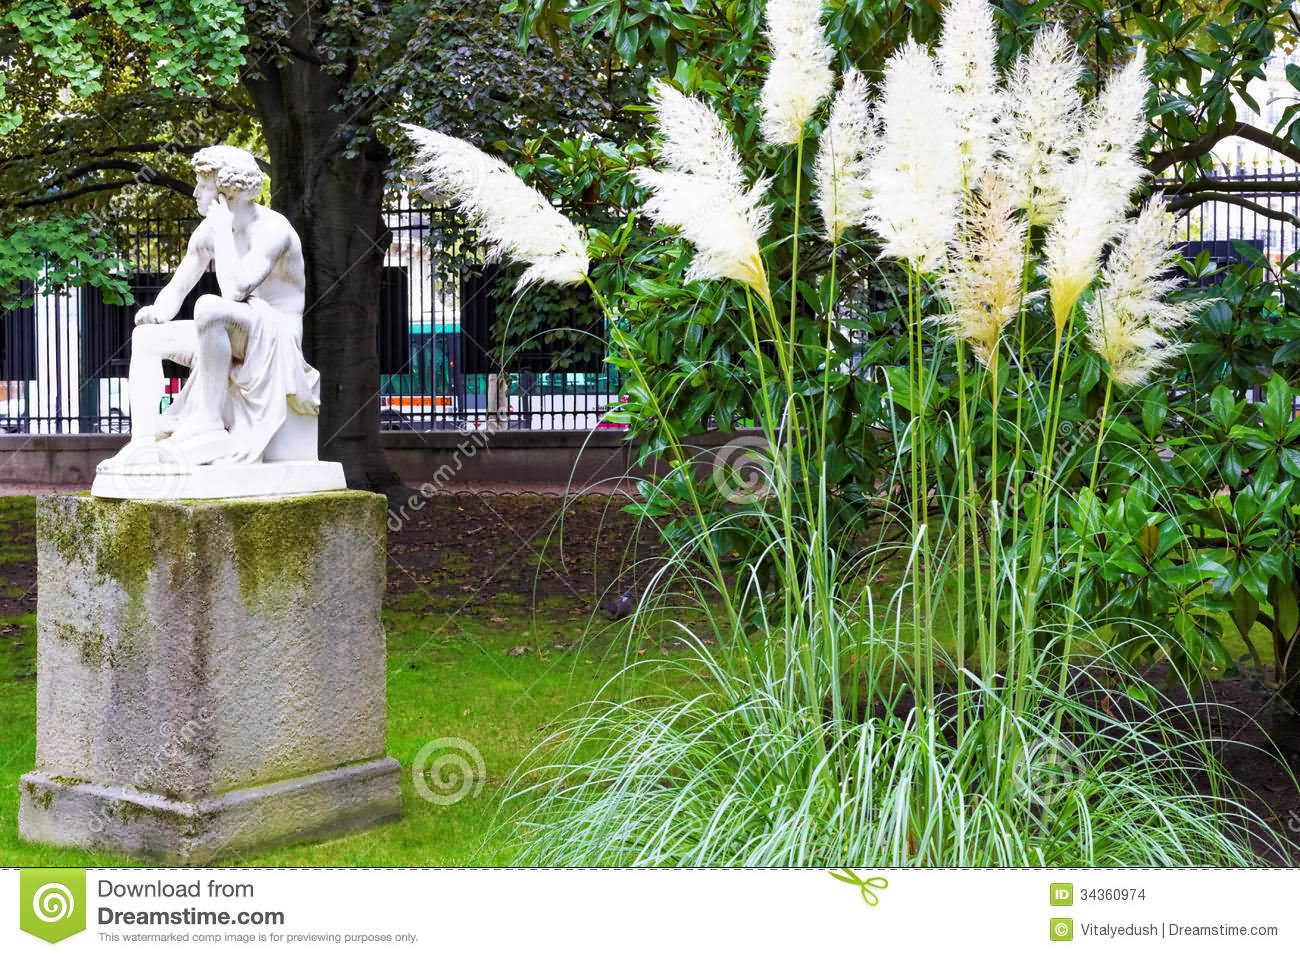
(620, 607)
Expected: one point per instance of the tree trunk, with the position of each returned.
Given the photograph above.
(335, 202)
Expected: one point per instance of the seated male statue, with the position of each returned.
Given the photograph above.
(243, 348)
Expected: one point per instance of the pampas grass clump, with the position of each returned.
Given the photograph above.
(807, 727)
(513, 219)
(800, 75)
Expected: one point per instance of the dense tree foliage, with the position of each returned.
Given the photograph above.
(1164, 551)
(104, 102)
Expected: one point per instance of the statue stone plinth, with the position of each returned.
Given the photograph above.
(162, 482)
(211, 675)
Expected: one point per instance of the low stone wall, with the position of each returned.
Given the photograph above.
(55, 459)
(578, 458)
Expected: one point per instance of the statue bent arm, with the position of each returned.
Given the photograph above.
(240, 276)
(192, 266)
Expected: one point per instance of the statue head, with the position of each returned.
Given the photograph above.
(227, 170)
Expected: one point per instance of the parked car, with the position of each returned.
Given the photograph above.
(390, 420)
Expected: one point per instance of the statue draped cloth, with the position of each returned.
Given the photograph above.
(270, 369)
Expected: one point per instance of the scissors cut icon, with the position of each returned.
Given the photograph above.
(867, 886)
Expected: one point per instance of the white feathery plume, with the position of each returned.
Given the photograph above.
(1072, 251)
(1129, 321)
(983, 281)
(1098, 185)
(967, 58)
(703, 194)
(1040, 129)
(799, 76)
(915, 180)
(844, 158)
(1112, 131)
(514, 220)
(694, 139)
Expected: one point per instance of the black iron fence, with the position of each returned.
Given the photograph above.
(1212, 226)
(444, 362)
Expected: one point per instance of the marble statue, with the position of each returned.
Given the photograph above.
(251, 398)
(199, 591)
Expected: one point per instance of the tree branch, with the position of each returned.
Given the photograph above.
(1192, 200)
(1229, 185)
(106, 151)
(1197, 148)
(144, 174)
(1160, 162)
(1267, 140)
(160, 104)
(76, 193)
(149, 178)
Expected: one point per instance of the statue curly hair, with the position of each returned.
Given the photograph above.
(236, 171)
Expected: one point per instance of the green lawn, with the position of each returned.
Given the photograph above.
(451, 674)
(498, 673)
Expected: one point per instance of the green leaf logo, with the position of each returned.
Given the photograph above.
(52, 902)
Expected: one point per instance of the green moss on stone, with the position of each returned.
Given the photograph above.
(129, 811)
(41, 797)
(124, 549)
(124, 811)
(113, 539)
(277, 543)
(89, 645)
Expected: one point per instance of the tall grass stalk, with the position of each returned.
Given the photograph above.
(799, 731)
(821, 718)
(1089, 503)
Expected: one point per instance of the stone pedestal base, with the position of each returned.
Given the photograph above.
(210, 675)
(307, 808)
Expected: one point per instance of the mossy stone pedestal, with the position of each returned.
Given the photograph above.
(210, 675)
